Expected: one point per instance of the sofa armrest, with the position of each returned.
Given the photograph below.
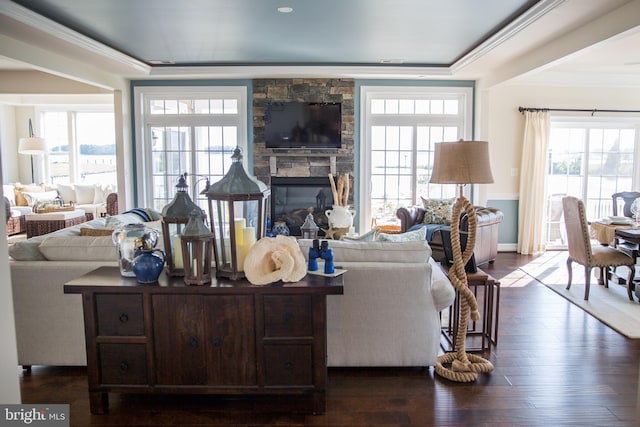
(112, 204)
(409, 216)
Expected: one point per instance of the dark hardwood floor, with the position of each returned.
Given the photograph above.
(555, 365)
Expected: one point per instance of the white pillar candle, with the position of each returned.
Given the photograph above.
(249, 238)
(177, 252)
(240, 257)
(239, 224)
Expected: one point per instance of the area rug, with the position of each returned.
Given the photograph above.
(609, 305)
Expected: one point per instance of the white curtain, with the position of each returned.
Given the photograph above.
(533, 171)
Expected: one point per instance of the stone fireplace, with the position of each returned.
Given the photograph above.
(268, 162)
(292, 198)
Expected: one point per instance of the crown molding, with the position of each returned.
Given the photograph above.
(53, 29)
(509, 31)
(311, 71)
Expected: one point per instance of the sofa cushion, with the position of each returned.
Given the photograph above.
(437, 211)
(85, 193)
(27, 250)
(419, 234)
(67, 192)
(79, 248)
(378, 251)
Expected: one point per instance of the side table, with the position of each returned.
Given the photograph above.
(484, 331)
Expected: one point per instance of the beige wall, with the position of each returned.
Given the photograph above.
(502, 125)
(499, 122)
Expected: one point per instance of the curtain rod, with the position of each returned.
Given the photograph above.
(592, 111)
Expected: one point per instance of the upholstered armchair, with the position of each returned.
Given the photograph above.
(486, 248)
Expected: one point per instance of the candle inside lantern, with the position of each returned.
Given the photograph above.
(249, 238)
(177, 252)
(239, 224)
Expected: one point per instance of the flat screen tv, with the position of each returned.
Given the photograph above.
(303, 125)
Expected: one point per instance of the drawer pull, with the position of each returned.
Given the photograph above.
(193, 341)
(124, 366)
(217, 341)
(288, 316)
(288, 365)
(124, 317)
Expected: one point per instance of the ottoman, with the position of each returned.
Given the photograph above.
(43, 223)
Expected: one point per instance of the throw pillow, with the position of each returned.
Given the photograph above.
(369, 236)
(67, 192)
(111, 222)
(409, 236)
(438, 211)
(85, 193)
(19, 188)
(39, 197)
(85, 231)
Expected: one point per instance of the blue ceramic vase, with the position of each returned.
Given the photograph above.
(148, 265)
(280, 228)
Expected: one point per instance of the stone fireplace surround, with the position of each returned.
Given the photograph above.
(319, 163)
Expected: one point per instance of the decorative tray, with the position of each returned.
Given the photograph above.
(54, 208)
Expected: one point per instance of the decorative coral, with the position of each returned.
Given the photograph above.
(272, 259)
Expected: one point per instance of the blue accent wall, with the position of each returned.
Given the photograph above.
(508, 231)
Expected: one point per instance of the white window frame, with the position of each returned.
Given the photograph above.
(463, 120)
(74, 149)
(144, 121)
(587, 123)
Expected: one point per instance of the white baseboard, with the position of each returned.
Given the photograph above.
(507, 247)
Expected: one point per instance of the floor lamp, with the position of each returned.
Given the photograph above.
(462, 163)
(33, 145)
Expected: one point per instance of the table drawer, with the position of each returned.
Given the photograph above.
(288, 316)
(120, 315)
(123, 364)
(288, 365)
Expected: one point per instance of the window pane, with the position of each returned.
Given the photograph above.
(377, 106)
(55, 131)
(95, 135)
(406, 106)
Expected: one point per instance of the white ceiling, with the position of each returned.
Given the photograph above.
(577, 42)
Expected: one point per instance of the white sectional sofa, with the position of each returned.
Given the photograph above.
(388, 315)
(91, 198)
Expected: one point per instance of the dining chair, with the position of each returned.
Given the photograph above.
(627, 198)
(582, 252)
(624, 199)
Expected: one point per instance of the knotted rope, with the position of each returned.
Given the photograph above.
(462, 367)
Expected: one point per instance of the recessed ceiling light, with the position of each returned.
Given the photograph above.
(285, 9)
(391, 61)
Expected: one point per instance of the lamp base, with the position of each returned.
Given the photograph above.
(460, 366)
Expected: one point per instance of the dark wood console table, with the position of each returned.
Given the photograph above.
(228, 338)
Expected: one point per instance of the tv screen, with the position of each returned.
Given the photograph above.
(303, 125)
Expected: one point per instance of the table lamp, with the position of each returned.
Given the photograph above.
(462, 163)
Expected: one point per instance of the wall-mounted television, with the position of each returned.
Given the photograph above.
(303, 125)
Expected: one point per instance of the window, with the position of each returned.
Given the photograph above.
(186, 129)
(590, 159)
(82, 147)
(400, 127)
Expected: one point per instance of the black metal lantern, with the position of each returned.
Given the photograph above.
(197, 250)
(237, 209)
(175, 216)
(309, 229)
